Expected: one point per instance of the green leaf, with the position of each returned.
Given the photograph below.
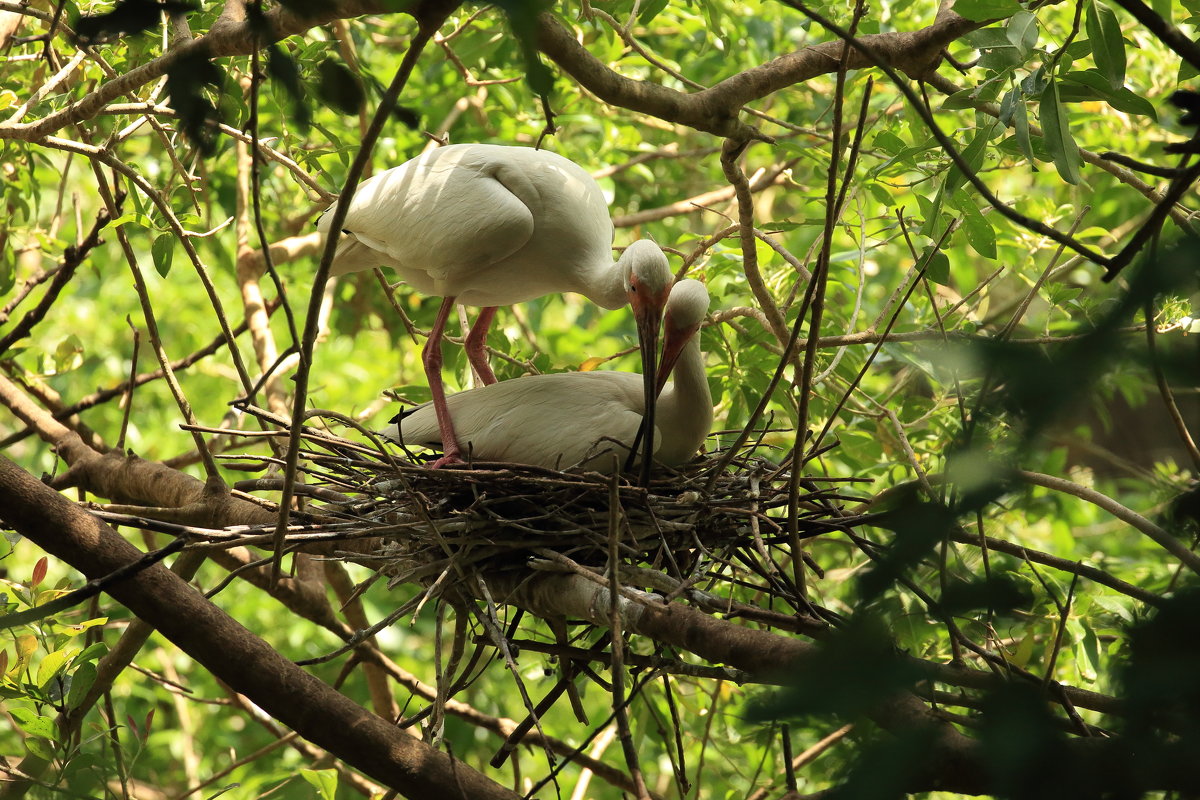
(1115, 605)
(964, 98)
(1108, 46)
(33, 723)
(1022, 32)
(889, 143)
(973, 155)
(651, 10)
(979, 232)
(51, 665)
(881, 194)
(1013, 146)
(931, 210)
(980, 10)
(93, 651)
(42, 747)
(1089, 84)
(323, 780)
(162, 251)
(81, 680)
(1013, 114)
(938, 270)
(8, 265)
(1090, 644)
(1056, 133)
(67, 356)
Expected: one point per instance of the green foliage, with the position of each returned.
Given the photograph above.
(50, 666)
(938, 417)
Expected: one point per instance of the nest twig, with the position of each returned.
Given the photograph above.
(480, 518)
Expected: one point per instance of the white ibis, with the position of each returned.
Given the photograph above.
(571, 419)
(490, 225)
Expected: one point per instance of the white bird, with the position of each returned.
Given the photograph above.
(572, 419)
(490, 225)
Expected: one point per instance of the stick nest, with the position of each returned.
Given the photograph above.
(487, 517)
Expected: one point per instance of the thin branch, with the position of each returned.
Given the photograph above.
(862, 46)
(1127, 515)
(425, 30)
(72, 257)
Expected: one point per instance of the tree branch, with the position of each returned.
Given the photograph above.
(234, 654)
(715, 110)
(72, 258)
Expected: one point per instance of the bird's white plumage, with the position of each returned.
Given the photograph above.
(487, 224)
(492, 225)
(568, 419)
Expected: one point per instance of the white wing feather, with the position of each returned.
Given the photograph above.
(489, 224)
(556, 421)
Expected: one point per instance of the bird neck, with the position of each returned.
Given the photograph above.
(686, 402)
(688, 377)
(605, 283)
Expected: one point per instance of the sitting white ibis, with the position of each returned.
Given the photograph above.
(490, 225)
(571, 419)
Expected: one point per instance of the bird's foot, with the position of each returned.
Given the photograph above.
(449, 458)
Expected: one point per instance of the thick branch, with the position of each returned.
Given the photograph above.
(234, 654)
(715, 110)
(230, 35)
(755, 651)
(912, 52)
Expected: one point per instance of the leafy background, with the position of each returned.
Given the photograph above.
(1087, 74)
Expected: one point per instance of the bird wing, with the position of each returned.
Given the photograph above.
(555, 421)
(442, 216)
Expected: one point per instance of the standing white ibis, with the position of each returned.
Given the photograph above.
(570, 419)
(491, 225)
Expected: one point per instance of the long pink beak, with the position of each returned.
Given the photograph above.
(647, 314)
(673, 344)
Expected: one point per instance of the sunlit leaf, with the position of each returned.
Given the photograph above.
(50, 666)
(980, 10)
(323, 780)
(1022, 32)
(33, 723)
